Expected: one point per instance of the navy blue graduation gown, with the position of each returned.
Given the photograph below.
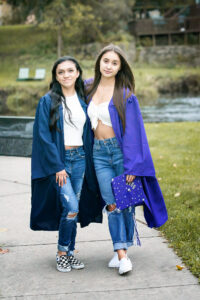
(48, 155)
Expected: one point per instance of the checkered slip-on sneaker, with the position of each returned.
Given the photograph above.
(63, 264)
(75, 263)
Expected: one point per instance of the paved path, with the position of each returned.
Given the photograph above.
(28, 270)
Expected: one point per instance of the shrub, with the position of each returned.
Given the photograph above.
(24, 101)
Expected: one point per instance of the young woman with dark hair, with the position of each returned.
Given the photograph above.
(61, 156)
(121, 146)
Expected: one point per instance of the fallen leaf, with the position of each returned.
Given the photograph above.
(177, 194)
(3, 229)
(179, 267)
(3, 251)
(174, 165)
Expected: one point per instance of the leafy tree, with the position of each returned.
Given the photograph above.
(114, 15)
(22, 8)
(56, 17)
(83, 25)
(84, 21)
(78, 21)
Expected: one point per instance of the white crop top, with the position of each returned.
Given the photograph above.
(99, 112)
(73, 132)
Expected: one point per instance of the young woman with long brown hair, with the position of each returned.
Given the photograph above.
(120, 146)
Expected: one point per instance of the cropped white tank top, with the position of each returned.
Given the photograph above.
(99, 112)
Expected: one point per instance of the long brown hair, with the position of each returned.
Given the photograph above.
(124, 82)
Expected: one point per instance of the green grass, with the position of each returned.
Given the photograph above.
(10, 69)
(175, 149)
(25, 46)
(146, 77)
(26, 39)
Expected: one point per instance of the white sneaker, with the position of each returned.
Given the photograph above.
(125, 265)
(114, 262)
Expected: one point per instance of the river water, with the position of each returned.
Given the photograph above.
(172, 110)
(163, 110)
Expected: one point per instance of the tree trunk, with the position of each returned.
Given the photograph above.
(59, 42)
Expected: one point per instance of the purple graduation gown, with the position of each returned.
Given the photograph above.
(137, 159)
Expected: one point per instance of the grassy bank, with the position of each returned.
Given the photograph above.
(176, 152)
(152, 83)
(146, 76)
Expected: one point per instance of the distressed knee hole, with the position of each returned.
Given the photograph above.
(66, 197)
(71, 215)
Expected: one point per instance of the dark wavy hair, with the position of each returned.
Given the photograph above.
(57, 94)
(123, 79)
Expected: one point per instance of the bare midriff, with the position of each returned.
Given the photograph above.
(71, 147)
(103, 131)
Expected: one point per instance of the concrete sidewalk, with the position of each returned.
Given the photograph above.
(28, 270)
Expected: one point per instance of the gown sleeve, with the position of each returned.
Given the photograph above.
(136, 152)
(45, 155)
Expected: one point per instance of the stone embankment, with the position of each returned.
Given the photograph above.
(171, 55)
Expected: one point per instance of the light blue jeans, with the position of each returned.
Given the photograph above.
(69, 197)
(108, 162)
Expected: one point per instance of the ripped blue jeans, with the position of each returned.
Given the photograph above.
(108, 162)
(69, 197)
